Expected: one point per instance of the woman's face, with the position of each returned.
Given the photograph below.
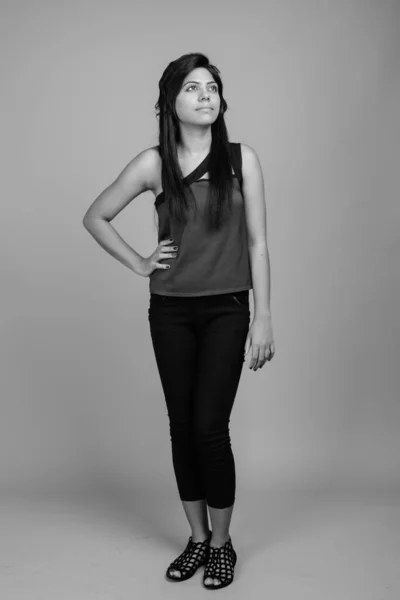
(197, 91)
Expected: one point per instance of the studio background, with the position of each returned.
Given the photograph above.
(313, 87)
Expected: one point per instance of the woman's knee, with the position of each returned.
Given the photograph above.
(211, 436)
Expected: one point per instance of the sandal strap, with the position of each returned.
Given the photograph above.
(221, 563)
(194, 555)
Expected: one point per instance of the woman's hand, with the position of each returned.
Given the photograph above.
(150, 264)
(261, 339)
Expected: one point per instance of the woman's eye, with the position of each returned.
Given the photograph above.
(213, 86)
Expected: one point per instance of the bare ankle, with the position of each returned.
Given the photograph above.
(218, 540)
(200, 536)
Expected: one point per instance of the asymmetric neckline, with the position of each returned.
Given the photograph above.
(197, 172)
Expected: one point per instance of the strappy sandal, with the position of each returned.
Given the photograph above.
(220, 566)
(194, 556)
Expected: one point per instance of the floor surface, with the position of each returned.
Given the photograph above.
(290, 545)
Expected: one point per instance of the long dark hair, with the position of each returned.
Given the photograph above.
(219, 164)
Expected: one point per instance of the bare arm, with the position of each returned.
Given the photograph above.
(136, 178)
(256, 220)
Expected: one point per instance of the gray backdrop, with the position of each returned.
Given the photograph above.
(313, 87)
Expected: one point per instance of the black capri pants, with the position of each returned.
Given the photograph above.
(199, 344)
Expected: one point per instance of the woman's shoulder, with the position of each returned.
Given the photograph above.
(151, 164)
(152, 154)
(242, 151)
(250, 162)
(152, 159)
(248, 155)
(244, 148)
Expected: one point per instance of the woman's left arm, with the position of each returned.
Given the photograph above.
(260, 334)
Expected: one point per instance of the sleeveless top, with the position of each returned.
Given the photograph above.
(206, 263)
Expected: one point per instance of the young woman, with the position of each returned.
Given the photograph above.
(212, 249)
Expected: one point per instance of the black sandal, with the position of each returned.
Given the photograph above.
(194, 556)
(220, 566)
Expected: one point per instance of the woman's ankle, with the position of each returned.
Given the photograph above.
(200, 536)
(218, 541)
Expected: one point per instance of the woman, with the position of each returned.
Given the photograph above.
(209, 195)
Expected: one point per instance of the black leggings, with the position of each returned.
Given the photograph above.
(199, 346)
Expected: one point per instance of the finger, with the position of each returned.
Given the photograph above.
(267, 355)
(261, 359)
(254, 358)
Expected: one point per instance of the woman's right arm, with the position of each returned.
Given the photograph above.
(136, 178)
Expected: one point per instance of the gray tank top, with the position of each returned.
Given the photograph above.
(206, 263)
